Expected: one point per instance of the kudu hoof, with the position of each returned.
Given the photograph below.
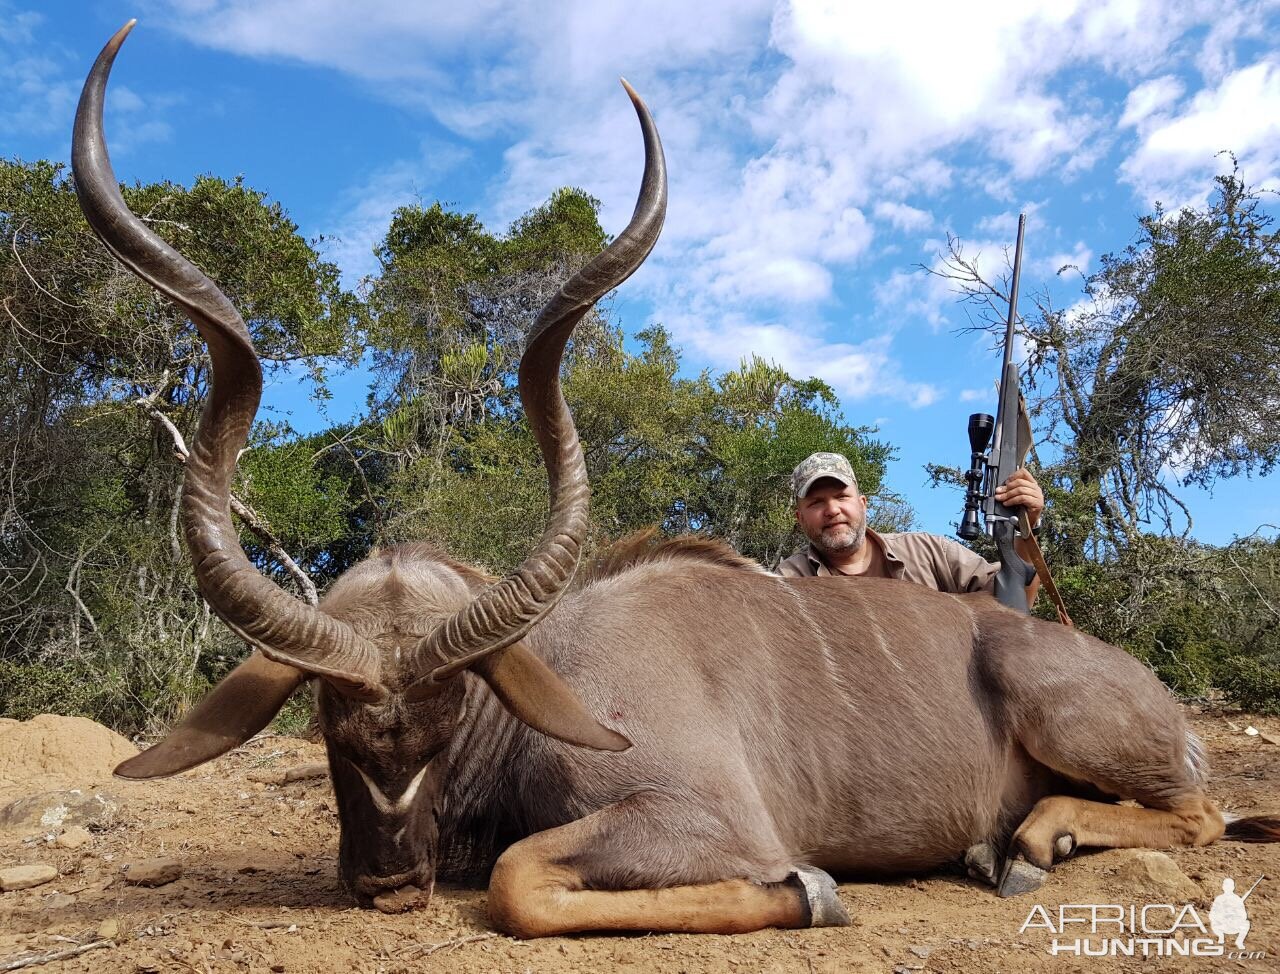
(825, 908)
(1020, 876)
(983, 863)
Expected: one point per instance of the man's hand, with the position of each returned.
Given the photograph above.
(1021, 490)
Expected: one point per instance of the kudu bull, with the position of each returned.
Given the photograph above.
(677, 741)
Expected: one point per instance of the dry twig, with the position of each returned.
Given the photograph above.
(32, 960)
(424, 950)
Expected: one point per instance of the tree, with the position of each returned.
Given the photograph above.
(689, 454)
(98, 613)
(1167, 372)
(94, 581)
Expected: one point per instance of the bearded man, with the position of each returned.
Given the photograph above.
(832, 513)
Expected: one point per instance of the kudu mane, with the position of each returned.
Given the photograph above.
(648, 547)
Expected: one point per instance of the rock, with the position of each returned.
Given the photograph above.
(262, 776)
(153, 872)
(920, 951)
(108, 929)
(73, 838)
(305, 772)
(398, 900)
(24, 877)
(53, 810)
(1154, 872)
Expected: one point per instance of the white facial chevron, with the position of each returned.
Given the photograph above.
(385, 804)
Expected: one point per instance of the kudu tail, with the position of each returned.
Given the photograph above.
(1254, 828)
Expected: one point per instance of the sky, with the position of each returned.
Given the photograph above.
(819, 154)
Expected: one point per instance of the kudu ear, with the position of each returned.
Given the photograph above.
(236, 709)
(535, 695)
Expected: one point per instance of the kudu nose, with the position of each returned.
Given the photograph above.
(395, 890)
(396, 894)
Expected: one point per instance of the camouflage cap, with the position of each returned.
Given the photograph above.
(817, 466)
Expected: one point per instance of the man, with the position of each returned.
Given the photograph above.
(832, 512)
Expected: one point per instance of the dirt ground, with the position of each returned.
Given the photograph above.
(259, 889)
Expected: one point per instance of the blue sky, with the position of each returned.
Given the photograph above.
(818, 152)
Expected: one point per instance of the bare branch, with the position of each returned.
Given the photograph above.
(251, 519)
(32, 960)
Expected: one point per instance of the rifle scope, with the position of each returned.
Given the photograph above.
(980, 427)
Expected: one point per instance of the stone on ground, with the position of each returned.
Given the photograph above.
(53, 810)
(1154, 872)
(24, 877)
(153, 872)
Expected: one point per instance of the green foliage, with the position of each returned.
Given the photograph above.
(1204, 618)
(296, 718)
(305, 506)
(1163, 375)
(94, 585)
(1253, 683)
(28, 689)
(688, 454)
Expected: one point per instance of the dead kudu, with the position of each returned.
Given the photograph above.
(676, 740)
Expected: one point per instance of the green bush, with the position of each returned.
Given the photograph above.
(28, 689)
(1253, 682)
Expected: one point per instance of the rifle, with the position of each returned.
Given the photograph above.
(988, 470)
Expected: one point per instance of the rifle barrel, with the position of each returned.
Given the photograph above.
(1013, 293)
(1253, 887)
(1001, 420)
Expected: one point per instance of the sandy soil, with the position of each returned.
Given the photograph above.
(259, 892)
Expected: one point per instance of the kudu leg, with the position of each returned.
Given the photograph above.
(541, 887)
(1100, 720)
(1059, 824)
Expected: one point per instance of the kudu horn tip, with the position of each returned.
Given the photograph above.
(118, 37)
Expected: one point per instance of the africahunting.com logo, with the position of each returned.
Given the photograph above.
(1150, 930)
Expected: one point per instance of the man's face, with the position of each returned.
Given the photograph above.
(833, 517)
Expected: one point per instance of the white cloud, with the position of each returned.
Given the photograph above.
(1241, 115)
(17, 27)
(915, 294)
(975, 395)
(789, 128)
(904, 217)
(858, 372)
(1243, 20)
(1078, 257)
(40, 84)
(1150, 98)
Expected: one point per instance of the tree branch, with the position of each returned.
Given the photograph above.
(251, 520)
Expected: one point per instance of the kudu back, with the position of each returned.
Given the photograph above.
(675, 740)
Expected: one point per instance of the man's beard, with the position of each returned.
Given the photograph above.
(841, 538)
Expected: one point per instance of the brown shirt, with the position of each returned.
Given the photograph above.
(926, 559)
